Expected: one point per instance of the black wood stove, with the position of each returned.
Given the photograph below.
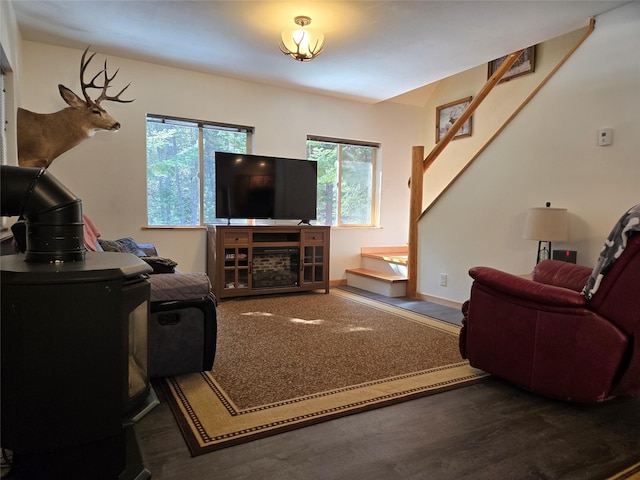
(74, 343)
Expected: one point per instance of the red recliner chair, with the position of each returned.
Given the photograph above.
(545, 334)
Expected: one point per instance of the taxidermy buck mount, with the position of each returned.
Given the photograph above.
(43, 137)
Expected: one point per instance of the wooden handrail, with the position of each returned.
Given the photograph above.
(466, 114)
(475, 103)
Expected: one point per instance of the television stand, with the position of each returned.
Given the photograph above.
(260, 260)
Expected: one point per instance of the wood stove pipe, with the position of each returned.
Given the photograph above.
(50, 228)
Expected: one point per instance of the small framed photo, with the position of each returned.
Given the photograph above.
(447, 114)
(526, 63)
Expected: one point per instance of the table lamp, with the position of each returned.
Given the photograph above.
(546, 225)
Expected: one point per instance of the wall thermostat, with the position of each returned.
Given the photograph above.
(605, 136)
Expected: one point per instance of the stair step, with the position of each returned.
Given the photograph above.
(382, 276)
(397, 255)
(381, 283)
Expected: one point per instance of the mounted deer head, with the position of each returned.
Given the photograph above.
(43, 137)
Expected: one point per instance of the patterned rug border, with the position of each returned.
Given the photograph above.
(631, 473)
(233, 410)
(243, 425)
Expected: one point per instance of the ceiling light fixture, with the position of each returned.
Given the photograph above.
(302, 44)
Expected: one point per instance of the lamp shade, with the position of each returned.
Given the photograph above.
(546, 224)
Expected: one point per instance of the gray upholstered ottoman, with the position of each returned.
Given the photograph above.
(182, 324)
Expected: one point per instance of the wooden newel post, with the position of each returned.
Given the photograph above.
(415, 209)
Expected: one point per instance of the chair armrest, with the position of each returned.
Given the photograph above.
(562, 274)
(524, 289)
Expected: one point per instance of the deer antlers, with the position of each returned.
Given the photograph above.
(92, 83)
(43, 137)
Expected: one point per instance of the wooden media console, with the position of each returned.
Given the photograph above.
(259, 260)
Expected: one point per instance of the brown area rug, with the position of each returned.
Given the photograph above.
(289, 361)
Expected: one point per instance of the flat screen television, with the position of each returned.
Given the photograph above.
(260, 187)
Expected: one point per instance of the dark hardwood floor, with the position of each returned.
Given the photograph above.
(490, 430)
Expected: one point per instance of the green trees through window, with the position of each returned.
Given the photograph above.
(181, 168)
(347, 182)
(181, 173)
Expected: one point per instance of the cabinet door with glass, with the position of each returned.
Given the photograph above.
(314, 254)
(236, 258)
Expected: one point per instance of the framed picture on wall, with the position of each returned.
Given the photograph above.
(525, 64)
(447, 114)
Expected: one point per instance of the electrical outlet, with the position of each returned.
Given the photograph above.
(443, 279)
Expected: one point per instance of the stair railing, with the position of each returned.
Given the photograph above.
(420, 164)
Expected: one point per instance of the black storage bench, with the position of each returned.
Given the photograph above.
(182, 324)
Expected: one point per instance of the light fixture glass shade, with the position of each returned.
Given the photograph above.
(546, 224)
(301, 43)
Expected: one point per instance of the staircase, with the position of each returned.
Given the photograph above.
(383, 271)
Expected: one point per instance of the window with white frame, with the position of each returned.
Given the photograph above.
(348, 181)
(3, 127)
(181, 168)
(3, 121)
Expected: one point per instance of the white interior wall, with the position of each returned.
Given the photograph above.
(548, 153)
(108, 171)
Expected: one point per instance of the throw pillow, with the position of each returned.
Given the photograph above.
(129, 245)
(109, 245)
(160, 264)
(122, 245)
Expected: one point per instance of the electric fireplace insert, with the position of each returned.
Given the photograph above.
(275, 267)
